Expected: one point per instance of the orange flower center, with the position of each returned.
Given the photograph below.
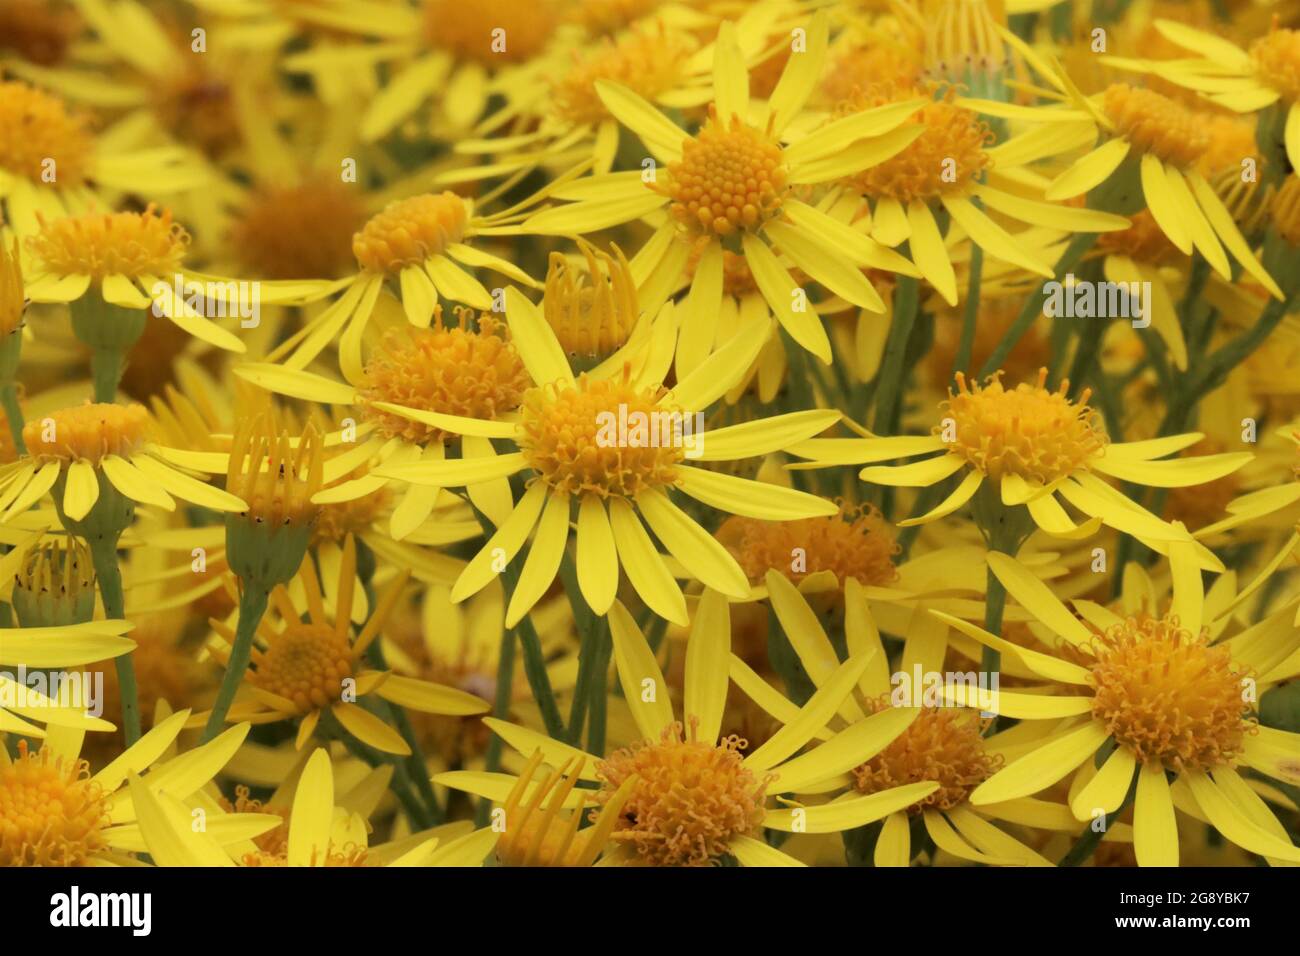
(576, 440)
(1277, 61)
(730, 177)
(40, 139)
(1168, 696)
(305, 663)
(943, 745)
(87, 432)
(409, 231)
(453, 370)
(302, 231)
(1026, 431)
(1156, 124)
(689, 800)
(856, 543)
(503, 31)
(131, 244)
(51, 814)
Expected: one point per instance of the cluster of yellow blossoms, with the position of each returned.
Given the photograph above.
(625, 432)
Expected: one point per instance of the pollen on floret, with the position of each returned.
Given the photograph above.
(1156, 124)
(943, 745)
(39, 136)
(88, 432)
(856, 543)
(299, 231)
(648, 62)
(51, 812)
(304, 663)
(132, 244)
(690, 797)
(409, 231)
(1168, 696)
(450, 369)
(592, 313)
(1027, 431)
(571, 437)
(1277, 61)
(509, 31)
(945, 159)
(731, 177)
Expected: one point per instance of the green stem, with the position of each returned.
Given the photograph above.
(1033, 306)
(970, 313)
(252, 605)
(501, 711)
(401, 782)
(534, 661)
(106, 366)
(889, 392)
(13, 414)
(103, 552)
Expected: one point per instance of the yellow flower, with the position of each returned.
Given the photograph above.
(56, 813)
(1139, 698)
(83, 447)
(1032, 445)
(691, 798)
(567, 435)
(311, 664)
(732, 186)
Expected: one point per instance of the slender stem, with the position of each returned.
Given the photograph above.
(534, 661)
(889, 392)
(598, 692)
(13, 414)
(415, 761)
(501, 711)
(401, 782)
(106, 366)
(970, 313)
(103, 552)
(1033, 306)
(252, 605)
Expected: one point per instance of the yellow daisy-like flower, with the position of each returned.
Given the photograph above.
(732, 186)
(951, 166)
(1143, 697)
(421, 244)
(568, 435)
(413, 377)
(565, 120)
(79, 450)
(134, 261)
(54, 812)
(943, 745)
(50, 162)
(688, 796)
(317, 827)
(449, 54)
(1157, 141)
(1033, 444)
(1244, 81)
(310, 664)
